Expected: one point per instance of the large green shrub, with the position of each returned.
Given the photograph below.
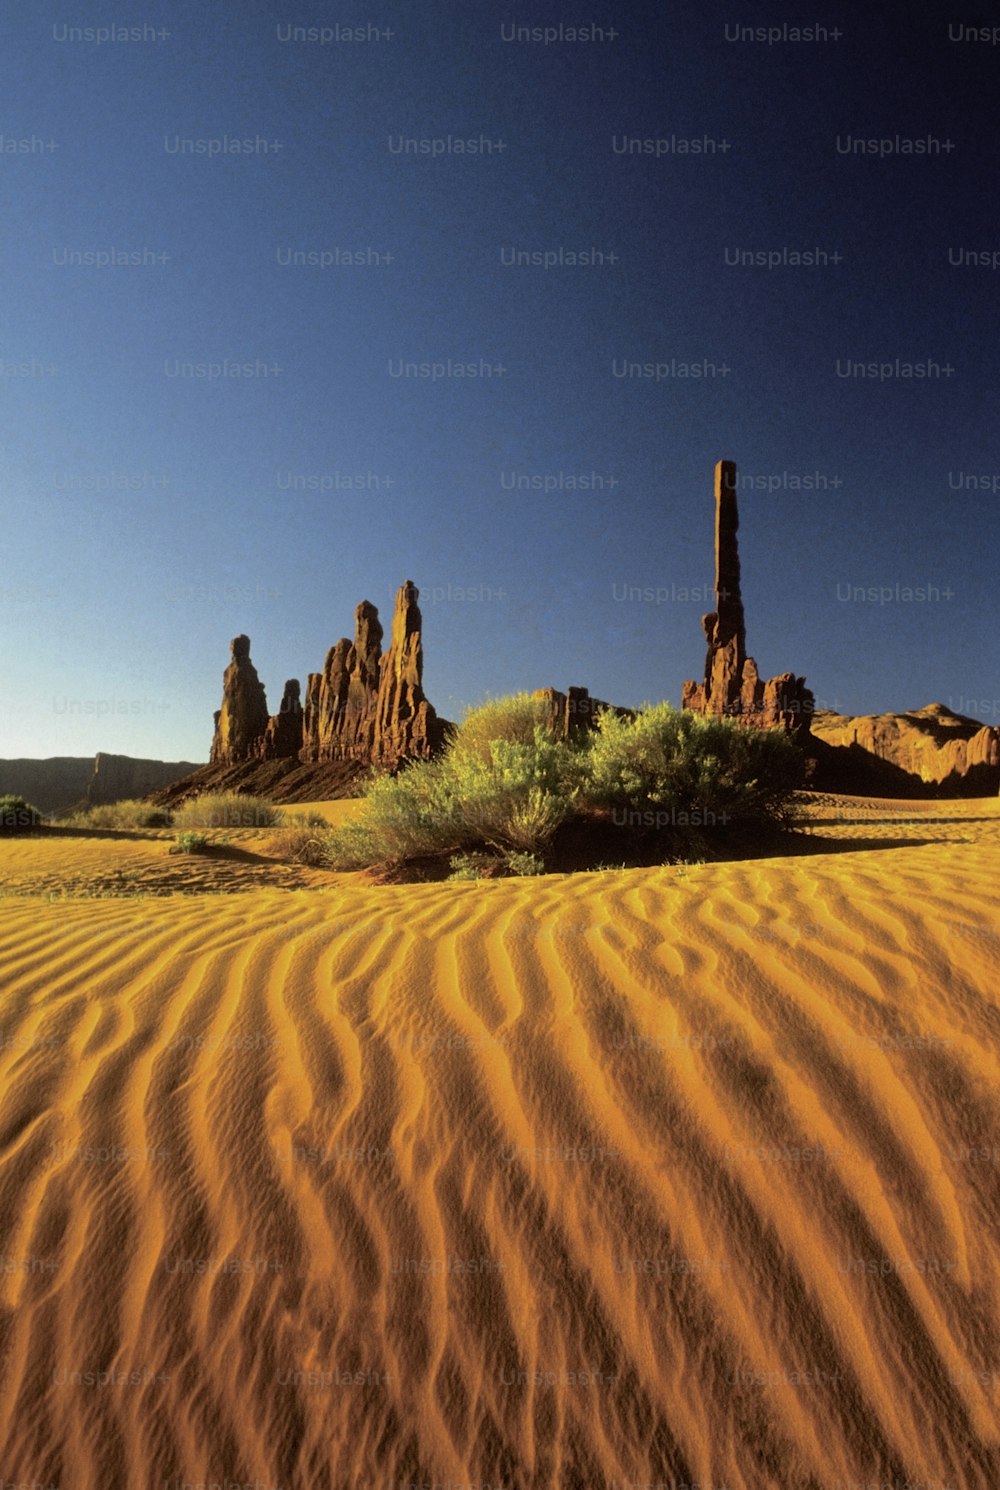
(506, 783)
(513, 719)
(669, 767)
(510, 792)
(17, 815)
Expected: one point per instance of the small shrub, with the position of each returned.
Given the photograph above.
(512, 796)
(227, 810)
(127, 815)
(482, 866)
(472, 866)
(523, 864)
(17, 815)
(404, 816)
(300, 845)
(189, 843)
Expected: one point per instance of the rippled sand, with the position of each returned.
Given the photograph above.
(648, 1178)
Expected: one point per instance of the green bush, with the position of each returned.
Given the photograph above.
(190, 843)
(513, 719)
(524, 864)
(227, 810)
(480, 866)
(300, 845)
(17, 815)
(127, 815)
(677, 768)
(472, 866)
(501, 798)
(510, 793)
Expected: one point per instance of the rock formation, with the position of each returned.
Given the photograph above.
(241, 722)
(283, 734)
(574, 711)
(339, 717)
(364, 706)
(732, 683)
(405, 724)
(948, 754)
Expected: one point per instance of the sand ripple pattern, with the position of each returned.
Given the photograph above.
(655, 1178)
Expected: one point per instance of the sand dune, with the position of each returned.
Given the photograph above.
(648, 1178)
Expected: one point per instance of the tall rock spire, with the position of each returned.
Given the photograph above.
(405, 723)
(732, 683)
(242, 720)
(724, 627)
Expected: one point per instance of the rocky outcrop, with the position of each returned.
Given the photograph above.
(365, 706)
(241, 723)
(283, 734)
(285, 781)
(940, 752)
(406, 727)
(732, 684)
(341, 701)
(573, 712)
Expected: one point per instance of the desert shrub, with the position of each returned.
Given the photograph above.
(511, 793)
(404, 816)
(300, 845)
(17, 815)
(677, 767)
(507, 793)
(227, 810)
(127, 815)
(513, 719)
(189, 842)
(516, 795)
(478, 865)
(472, 866)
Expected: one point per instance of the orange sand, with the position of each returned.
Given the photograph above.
(648, 1178)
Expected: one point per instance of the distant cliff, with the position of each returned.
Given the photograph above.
(117, 777)
(62, 782)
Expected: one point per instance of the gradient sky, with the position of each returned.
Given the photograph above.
(117, 606)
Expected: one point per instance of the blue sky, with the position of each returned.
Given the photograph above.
(151, 511)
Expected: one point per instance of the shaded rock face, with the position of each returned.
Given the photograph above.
(733, 685)
(241, 722)
(283, 734)
(365, 706)
(64, 782)
(117, 777)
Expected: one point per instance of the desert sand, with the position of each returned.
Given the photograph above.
(656, 1177)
